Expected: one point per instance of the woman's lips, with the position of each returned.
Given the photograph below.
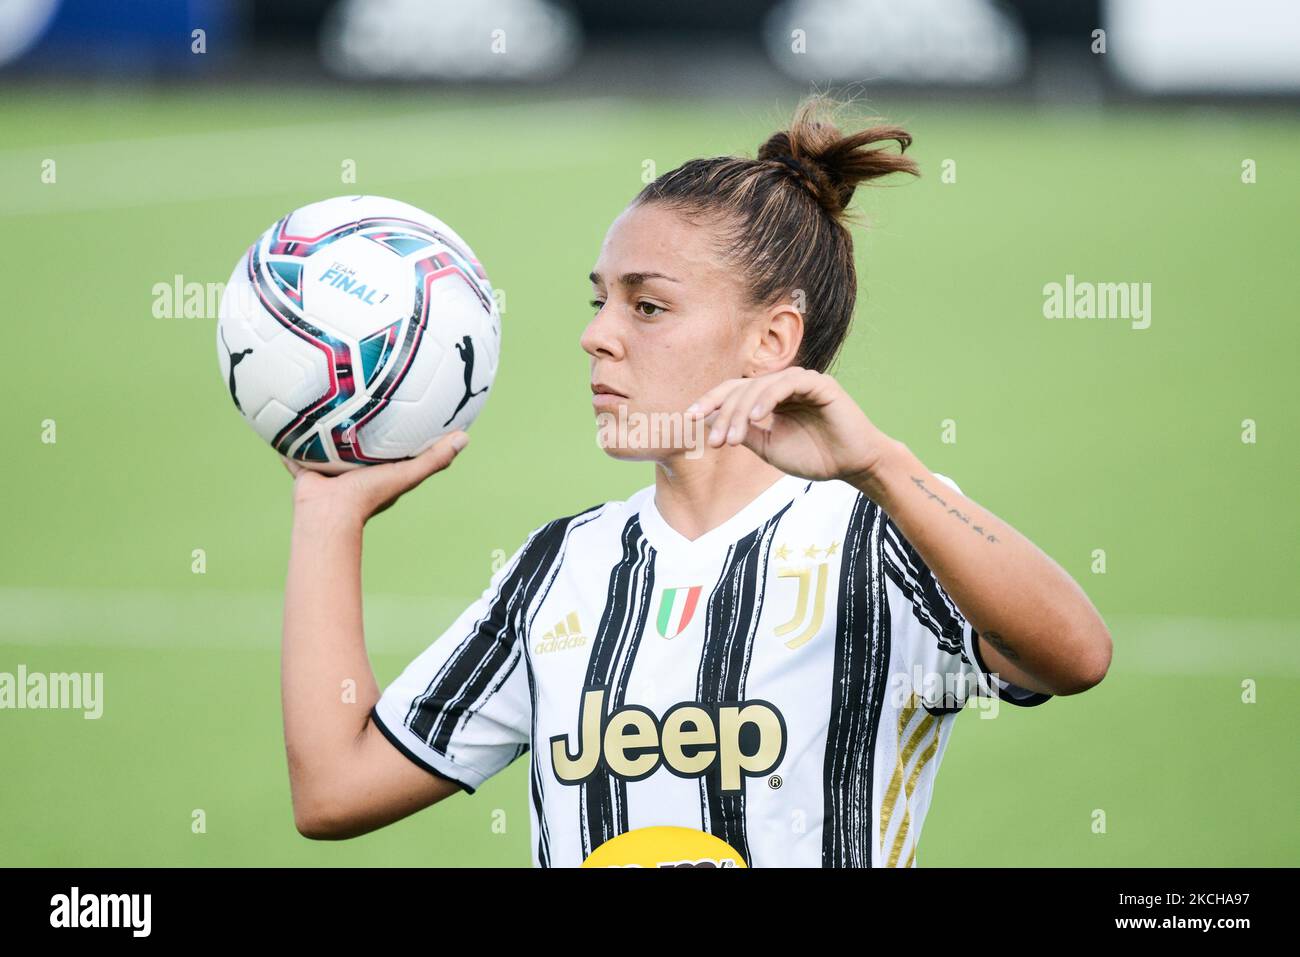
(603, 397)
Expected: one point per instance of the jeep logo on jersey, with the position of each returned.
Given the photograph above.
(734, 740)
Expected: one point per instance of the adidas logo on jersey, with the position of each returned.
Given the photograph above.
(735, 740)
(566, 634)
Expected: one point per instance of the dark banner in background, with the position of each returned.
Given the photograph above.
(1230, 907)
(1065, 49)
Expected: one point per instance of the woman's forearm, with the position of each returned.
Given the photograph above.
(1037, 627)
(327, 684)
(345, 776)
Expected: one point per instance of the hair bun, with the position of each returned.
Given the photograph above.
(796, 167)
(830, 164)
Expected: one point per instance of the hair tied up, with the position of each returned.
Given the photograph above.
(833, 163)
(779, 220)
(794, 165)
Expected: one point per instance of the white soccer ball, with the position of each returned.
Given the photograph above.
(358, 330)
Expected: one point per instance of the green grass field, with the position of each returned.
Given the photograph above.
(1084, 434)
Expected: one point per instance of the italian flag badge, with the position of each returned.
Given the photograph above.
(676, 608)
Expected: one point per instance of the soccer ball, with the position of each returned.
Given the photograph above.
(358, 330)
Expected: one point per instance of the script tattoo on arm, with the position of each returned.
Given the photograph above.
(956, 513)
(1000, 643)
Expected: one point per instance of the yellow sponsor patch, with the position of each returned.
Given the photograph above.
(664, 846)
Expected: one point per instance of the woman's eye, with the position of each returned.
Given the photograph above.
(596, 304)
(643, 305)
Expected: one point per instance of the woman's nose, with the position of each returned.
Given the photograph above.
(600, 338)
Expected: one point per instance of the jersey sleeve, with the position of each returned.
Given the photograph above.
(938, 645)
(463, 708)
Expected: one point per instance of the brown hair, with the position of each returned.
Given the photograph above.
(783, 215)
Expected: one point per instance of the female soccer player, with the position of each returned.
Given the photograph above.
(771, 643)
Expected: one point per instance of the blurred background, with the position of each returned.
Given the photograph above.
(143, 146)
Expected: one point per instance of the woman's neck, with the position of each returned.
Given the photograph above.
(697, 495)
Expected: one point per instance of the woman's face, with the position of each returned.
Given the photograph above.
(670, 324)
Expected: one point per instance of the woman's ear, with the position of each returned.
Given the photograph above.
(780, 333)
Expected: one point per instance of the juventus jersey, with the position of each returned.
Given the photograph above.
(786, 682)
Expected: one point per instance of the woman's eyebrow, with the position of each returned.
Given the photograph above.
(634, 278)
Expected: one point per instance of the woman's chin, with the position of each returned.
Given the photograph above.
(635, 455)
(638, 437)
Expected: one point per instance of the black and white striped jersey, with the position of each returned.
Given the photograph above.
(786, 682)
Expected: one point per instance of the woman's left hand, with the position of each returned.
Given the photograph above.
(801, 421)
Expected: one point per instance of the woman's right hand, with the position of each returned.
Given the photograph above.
(368, 491)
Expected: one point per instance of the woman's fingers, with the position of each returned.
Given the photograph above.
(437, 457)
(387, 483)
(718, 408)
(734, 404)
(774, 392)
(761, 399)
(708, 403)
(292, 467)
(733, 418)
(397, 478)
